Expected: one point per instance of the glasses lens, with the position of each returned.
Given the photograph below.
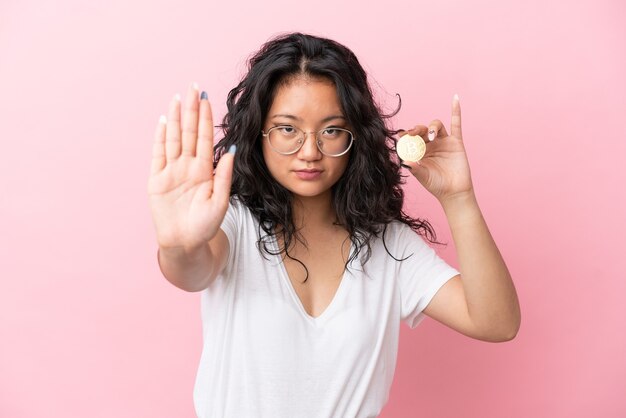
(285, 139)
(334, 141)
(331, 141)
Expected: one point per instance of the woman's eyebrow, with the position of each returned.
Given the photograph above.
(329, 118)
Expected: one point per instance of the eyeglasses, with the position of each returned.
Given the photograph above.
(287, 140)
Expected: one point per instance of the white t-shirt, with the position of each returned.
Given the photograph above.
(264, 356)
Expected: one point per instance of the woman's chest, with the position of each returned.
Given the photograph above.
(315, 272)
(315, 281)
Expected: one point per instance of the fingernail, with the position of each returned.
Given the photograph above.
(162, 119)
(177, 96)
(431, 135)
(232, 149)
(194, 85)
(456, 97)
(204, 96)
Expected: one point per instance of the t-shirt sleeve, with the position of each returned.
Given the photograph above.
(420, 276)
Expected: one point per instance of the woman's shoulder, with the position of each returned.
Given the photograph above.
(396, 227)
(397, 233)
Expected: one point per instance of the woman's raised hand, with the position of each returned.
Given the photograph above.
(444, 170)
(187, 200)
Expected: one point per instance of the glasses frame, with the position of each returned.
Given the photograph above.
(317, 139)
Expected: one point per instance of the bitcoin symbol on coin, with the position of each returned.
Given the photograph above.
(411, 147)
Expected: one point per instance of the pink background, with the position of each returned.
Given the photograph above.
(89, 327)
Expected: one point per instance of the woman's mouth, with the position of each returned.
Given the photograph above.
(309, 174)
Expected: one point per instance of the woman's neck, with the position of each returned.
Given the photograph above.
(312, 213)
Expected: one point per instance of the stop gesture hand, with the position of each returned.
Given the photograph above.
(187, 200)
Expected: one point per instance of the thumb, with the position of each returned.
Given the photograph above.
(223, 175)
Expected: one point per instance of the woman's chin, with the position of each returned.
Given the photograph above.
(309, 191)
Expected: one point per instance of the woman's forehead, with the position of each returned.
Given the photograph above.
(302, 97)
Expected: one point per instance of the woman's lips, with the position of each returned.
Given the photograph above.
(308, 174)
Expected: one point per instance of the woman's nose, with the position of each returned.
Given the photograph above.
(309, 150)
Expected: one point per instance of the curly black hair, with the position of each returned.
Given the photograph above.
(367, 196)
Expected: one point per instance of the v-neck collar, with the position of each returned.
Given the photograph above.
(332, 306)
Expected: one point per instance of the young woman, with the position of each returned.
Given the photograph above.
(299, 243)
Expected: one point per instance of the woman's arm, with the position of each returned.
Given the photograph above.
(482, 302)
(492, 302)
(195, 269)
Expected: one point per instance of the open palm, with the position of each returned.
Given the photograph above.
(187, 200)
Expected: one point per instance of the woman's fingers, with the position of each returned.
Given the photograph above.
(197, 131)
(419, 130)
(190, 122)
(436, 130)
(223, 176)
(205, 131)
(172, 131)
(455, 121)
(158, 147)
(416, 130)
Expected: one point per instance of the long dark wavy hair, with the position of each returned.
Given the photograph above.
(368, 195)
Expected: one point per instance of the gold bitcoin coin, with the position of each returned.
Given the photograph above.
(411, 147)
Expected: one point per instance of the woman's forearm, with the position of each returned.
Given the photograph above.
(491, 297)
(189, 270)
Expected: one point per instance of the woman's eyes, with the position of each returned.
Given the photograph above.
(286, 129)
(290, 130)
(333, 133)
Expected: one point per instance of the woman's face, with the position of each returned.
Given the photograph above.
(310, 104)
